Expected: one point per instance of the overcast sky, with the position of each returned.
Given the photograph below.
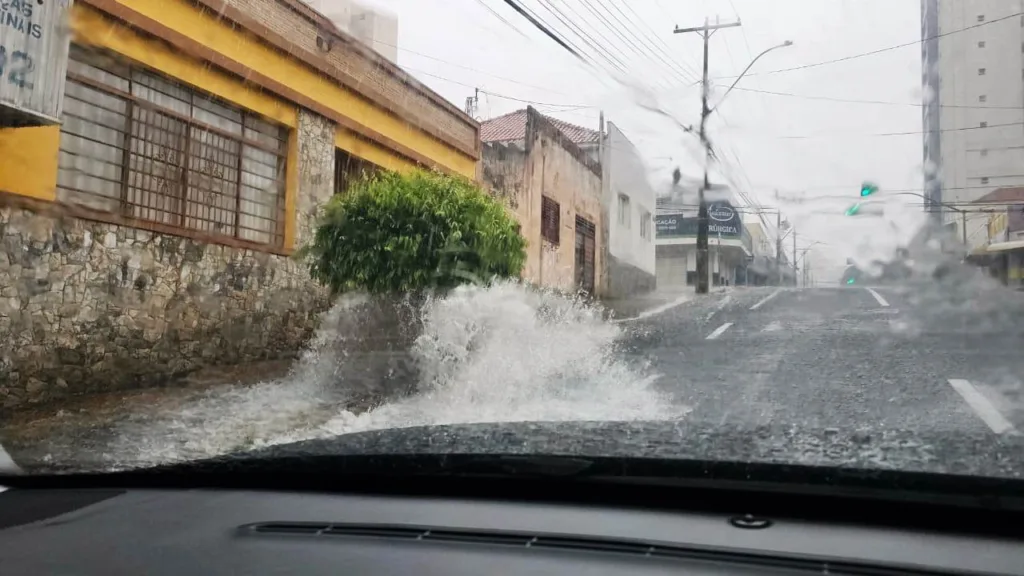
(813, 150)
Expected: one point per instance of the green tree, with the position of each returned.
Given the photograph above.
(420, 230)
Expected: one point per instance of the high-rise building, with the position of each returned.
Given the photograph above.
(372, 27)
(973, 114)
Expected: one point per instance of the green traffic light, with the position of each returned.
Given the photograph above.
(867, 189)
(853, 209)
(850, 281)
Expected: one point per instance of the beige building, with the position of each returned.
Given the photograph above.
(554, 189)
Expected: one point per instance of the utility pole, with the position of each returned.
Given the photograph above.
(778, 248)
(794, 258)
(702, 212)
(472, 102)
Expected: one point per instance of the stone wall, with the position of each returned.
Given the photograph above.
(87, 306)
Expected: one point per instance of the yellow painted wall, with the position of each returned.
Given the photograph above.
(93, 28)
(210, 31)
(28, 161)
(371, 151)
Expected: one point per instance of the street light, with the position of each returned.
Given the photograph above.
(738, 78)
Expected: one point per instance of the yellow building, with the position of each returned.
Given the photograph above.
(149, 233)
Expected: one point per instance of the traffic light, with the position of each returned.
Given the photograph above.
(866, 189)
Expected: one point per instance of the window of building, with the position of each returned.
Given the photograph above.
(983, 125)
(981, 17)
(624, 211)
(549, 219)
(983, 98)
(981, 71)
(984, 180)
(981, 44)
(645, 225)
(137, 144)
(348, 169)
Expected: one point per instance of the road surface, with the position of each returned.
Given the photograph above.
(872, 358)
(875, 362)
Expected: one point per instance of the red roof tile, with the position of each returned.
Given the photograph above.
(1007, 194)
(512, 126)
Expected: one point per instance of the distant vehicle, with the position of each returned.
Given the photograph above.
(852, 275)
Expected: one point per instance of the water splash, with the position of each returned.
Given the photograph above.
(506, 353)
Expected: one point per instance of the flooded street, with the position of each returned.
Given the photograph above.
(468, 360)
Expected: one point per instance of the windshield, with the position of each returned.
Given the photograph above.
(780, 231)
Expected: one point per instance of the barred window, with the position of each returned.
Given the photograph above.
(139, 145)
(549, 220)
(349, 169)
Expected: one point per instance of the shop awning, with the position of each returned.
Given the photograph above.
(997, 247)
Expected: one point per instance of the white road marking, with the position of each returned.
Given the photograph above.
(766, 298)
(7, 463)
(981, 406)
(718, 331)
(881, 301)
(773, 326)
(658, 309)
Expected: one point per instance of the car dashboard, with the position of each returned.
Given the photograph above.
(217, 531)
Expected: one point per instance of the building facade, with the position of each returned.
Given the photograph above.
(374, 28)
(630, 202)
(973, 89)
(151, 232)
(730, 247)
(554, 189)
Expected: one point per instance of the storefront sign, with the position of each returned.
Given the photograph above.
(34, 38)
(723, 220)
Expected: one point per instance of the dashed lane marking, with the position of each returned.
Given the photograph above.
(766, 298)
(7, 463)
(719, 331)
(988, 413)
(881, 301)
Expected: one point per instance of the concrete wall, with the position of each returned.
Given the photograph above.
(631, 261)
(88, 306)
(552, 166)
(975, 161)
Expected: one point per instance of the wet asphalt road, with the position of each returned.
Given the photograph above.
(844, 358)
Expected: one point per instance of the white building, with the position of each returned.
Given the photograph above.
(730, 248)
(973, 91)
(372, 27)
(630, 200)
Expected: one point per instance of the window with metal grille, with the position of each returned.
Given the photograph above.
(136, 144)
(645, 225)
(549, 219)
(624, 211)
(349, 169)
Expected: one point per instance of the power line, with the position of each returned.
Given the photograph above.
(500, 17)
(885, 102)
(880, 50)
(610, 58)
(908, 133)
(540, 26)
(576, 106)
(660, 52)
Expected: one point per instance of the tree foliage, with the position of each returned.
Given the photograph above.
(394, 232)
